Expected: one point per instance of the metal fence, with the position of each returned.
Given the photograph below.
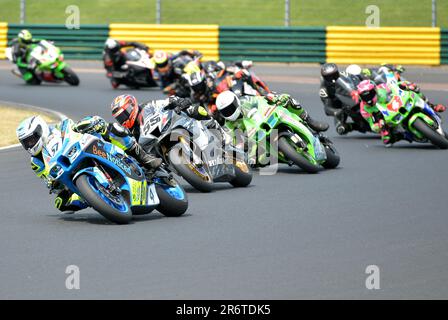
(230, 12)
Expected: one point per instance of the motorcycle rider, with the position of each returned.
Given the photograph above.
(128, 113)
(20, 50)
(333, 82)
(234, 109)
(165, 65)
(114, 59)
(378, 76)
(370, 95)
(33, 133)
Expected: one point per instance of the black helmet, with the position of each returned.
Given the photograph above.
(329, 72)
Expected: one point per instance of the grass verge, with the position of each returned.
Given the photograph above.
(230, 12)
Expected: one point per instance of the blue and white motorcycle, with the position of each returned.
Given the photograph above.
(107, 179)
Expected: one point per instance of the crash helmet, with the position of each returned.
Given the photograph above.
(25, 36)
(161, 61)
(32, 134)
(367, 92)
(353, 69)
(228, 105)
(112, 45)
(196, 81)
(329, 72)
(125, 110)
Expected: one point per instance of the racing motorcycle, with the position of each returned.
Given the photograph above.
(192, 150)
(137, 72)
(182, 67)
(47, 64)
(407, 112)
(242, 81)
(297, 143)
(110, 181)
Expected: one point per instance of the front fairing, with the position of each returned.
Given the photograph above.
(262, 121)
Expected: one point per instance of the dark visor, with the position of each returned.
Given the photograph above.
(229, 110)
(124, 116)
(31, 140)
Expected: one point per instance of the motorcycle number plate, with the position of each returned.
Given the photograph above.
(152, 198)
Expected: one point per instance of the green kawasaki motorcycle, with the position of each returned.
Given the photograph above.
(298, 144)
(406, 111)
(47, 64)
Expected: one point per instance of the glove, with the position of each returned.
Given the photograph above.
(286, 100)
(366, 72)
(178, 104)
(355, 96)
(400, 68)
(406, 85)
(91, 125)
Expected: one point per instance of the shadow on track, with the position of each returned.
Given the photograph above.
(97, 219)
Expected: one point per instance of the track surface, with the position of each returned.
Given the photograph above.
(288, 236)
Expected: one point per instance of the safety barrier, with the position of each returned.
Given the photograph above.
(3, 38)
(378, 45)
(171, 38)
(344, 45)
(84, 43)
(275, 44)
(444, 46)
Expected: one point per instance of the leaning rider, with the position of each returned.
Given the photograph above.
(20, 49)
(128, 113)
(33, 134)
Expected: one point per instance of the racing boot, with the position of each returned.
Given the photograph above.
(343, 128)
(147, 160)
(314, 124)
(68, 201)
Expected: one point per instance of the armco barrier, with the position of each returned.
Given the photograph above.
(84, 43)
(171, 38)
(378, 45)
(3, 38)
(444, 46)
(275, 44)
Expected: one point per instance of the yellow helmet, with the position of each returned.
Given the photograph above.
(25, 36)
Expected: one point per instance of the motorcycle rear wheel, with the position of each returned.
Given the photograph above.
(171, 206)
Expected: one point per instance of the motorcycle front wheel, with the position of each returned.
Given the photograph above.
(196, 176)
(113, 207)
(70, 76)
(432, 135)
(291, 153)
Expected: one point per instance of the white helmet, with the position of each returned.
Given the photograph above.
(111, 44)
(353, 69)
(32, 134)
(228, 105)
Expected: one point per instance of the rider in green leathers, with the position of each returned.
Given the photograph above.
(234, 109)
(20, 50)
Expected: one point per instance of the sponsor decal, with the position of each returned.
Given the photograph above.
(101, 153)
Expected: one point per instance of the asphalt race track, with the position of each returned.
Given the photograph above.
(288, 236)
